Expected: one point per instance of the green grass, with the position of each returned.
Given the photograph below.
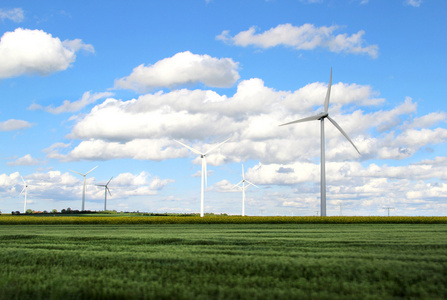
(224, 261)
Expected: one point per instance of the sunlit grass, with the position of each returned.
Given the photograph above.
(223, 261)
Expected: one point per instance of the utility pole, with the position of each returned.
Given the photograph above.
(388, 208)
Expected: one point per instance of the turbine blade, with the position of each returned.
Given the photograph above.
(328, 94)
(24, 188)
(217, 146)
(342, 131)
(109, 181)
(190, 148)
(312, 118)
(77, 172)
(109, 191)
(243, 175)
(251, 183)
(90, 170)
(236, 185)
(23, 180)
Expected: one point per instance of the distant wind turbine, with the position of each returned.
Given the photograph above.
(321, 117)
(106, 189)
(83, 191)
(25, 192)
(204, 172)
(244, 187)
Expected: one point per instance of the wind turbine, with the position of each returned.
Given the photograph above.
(106, 189)
(321, 117)
(204, 172)
(244, 187)
(25, 189)
(83, 191)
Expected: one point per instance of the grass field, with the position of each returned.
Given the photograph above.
(224, 261)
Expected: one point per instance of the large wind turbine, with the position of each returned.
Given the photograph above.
(321, 117)
(244, 187)
(204, 172)
(25, 189)
(106, 189)
(83, 191)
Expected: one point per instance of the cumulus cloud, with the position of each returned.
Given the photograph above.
(67, 106)
(184, 68)
(55, 186)
(13, 14)
(13, 124)
(35, 52)
(305, 37)
(361, 189)
(26, 160)
(201, 118)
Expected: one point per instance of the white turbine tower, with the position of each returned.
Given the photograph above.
(321, 117)
(83, 191)
(244, 187)
(106, 189)
(25, 192)
(204, 172)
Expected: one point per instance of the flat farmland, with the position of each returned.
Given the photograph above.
(224, 261)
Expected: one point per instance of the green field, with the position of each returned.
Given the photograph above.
(224, 261)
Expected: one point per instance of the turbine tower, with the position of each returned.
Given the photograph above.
(244, 187)
(204, 172)
(106, 189)
(25, 192)
(83, 191)
(321, 117)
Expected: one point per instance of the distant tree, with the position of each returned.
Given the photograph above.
(54, 211)
(29, 211)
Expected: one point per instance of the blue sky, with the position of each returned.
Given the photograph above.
(112, 84)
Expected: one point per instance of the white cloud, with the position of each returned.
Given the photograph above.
(67, 106)
(305, 37)
(184, 68)
(428, 120)
(250, 117)
(127, 184)
(26, 160)
(362, 189)
(13, 124)
(77, 44)
(35, 52)
(13, 14)
(55, 186)
(414, 3)
(143, 149)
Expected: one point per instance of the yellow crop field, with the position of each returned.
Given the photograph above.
(48, 220)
